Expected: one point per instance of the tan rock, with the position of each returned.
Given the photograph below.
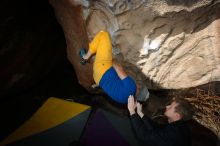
(69, 15)
(172, 46)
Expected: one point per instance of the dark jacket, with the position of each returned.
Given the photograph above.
(150, 133)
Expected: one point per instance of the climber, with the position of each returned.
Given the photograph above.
(176, 133)
(109, 74)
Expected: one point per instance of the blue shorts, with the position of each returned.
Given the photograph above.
(119, 90)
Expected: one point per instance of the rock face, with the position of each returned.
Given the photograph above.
(174, 44)
(70, 17)
(165, 44)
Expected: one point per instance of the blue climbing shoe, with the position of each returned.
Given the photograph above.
(82, 52)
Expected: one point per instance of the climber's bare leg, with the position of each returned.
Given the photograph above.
(119, 69)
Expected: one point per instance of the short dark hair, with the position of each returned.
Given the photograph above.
(184, 108)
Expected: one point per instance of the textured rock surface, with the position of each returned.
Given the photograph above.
(174, 44)
(166, 44)
(70, 17)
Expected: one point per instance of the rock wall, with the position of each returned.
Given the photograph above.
(174, 44)
(70, 17)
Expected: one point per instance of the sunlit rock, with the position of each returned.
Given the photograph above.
(171, 42)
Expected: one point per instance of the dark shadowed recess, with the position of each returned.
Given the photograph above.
(33, 63)
(31, 44)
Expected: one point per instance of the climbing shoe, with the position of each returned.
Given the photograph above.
(82, 52)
